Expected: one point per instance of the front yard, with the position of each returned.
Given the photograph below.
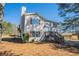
(32, 49)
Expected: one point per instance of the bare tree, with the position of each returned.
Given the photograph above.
(1, 19)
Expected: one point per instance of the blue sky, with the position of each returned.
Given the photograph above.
(12, 11)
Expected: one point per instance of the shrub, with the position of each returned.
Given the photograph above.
(25, 37)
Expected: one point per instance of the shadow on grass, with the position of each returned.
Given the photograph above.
(70, 46)
(72, 43)
(8, 53)
(73, 46)
(72, 50)
(15, 40)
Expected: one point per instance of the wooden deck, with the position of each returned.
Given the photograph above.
(71, 36)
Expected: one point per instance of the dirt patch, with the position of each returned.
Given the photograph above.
(10, 47)
(31, 49)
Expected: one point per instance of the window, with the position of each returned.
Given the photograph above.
(46, 27)
(35, 33)
(35, 21)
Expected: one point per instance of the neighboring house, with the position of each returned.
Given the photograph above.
(35, 24)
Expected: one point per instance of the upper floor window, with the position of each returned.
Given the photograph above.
(35, 21)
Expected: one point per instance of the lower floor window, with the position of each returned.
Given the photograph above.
(35, 33)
